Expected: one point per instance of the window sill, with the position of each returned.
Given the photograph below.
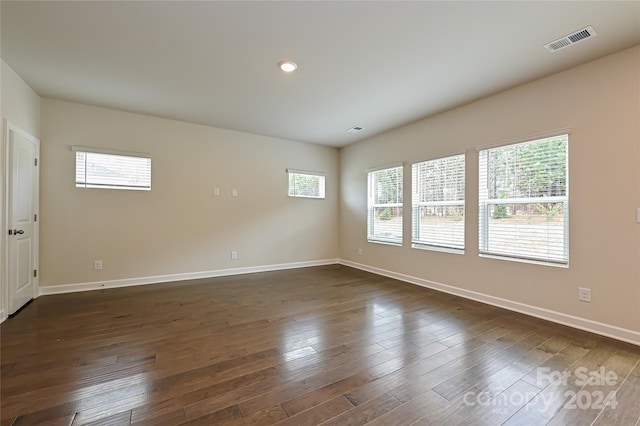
(387, 243)
(437, 248)
(306, 197)
(529, 261)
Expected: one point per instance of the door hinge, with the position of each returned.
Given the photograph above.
(35, 217)
(36, 162)
(35, 273)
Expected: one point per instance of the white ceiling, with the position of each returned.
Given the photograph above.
(373, 64)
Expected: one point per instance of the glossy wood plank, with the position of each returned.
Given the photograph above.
(365, 413)
(588, 404)
(412, 411)
(552, 396)
(326, 345)
(319, 413)
(624, 408)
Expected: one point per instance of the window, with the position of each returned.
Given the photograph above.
(109, 169)
(524, 209)
(384, 219)
(438, 203)
(306, 184)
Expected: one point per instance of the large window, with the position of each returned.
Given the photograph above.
(524, 200)
(306, 184)
(384, 220)
(438, 203)
(106, 169)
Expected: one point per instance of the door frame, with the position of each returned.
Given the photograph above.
(4, 279)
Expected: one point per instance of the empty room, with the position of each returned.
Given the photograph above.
(320, 212)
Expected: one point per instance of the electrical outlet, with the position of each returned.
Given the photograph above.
(584, 294)
(234, 255)
(97, 265)
(216, 192)
(234, 192)
(359, 252)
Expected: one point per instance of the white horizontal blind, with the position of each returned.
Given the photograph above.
(384, 219)
(438, 202)
(306, 184)
(523, 193)
(112, 171)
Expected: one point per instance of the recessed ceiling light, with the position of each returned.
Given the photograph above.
(287, 66)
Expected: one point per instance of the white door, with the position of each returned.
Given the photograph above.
(22, 209)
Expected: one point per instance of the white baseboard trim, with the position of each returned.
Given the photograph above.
(3, 316)
(607, 330)
(129, 282)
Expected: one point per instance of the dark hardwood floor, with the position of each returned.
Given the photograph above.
(327, 345)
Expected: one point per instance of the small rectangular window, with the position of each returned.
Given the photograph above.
(438, 203)
(97, 168)
(306, 184)
(384, 219)
(524, 200)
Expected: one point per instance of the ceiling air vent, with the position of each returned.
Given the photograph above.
(570, 39)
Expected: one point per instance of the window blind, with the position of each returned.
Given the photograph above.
(524, 204)
(112, 171)
(438, 202)
(384, 219)
(306, 184)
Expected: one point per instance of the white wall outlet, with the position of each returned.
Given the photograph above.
(97, 265)
(584, 294)
(234, 255)
(638, 215)
(216, 192)
(234, 192)
(359, 252)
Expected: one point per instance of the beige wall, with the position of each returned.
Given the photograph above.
(20, 105)
(599, 102)
(179, 226)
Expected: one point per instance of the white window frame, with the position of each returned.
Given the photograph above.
(84, 183)
(485, 206)
(416, 185)
(372, 236)
(292, 173)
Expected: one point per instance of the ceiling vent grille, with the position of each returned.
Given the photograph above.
(570, 39)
